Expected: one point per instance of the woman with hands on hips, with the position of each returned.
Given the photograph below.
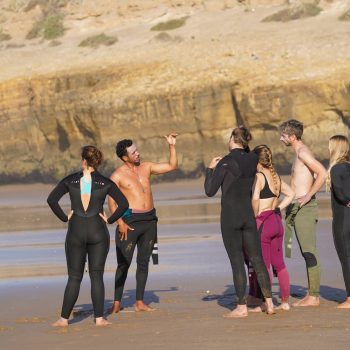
(87, 231)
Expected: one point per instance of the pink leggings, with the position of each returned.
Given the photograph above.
(271, 230)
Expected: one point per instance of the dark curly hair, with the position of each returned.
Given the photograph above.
(120, 148)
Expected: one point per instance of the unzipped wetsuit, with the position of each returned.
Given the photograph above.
(87, 235)
(340, 177)
(235, 174)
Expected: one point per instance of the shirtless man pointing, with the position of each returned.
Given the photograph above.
(138, 226)
(308, 176)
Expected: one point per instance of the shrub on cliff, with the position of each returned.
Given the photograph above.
(345, 16)
(170, 25)
(97, 40)
(294, 12)
(48, 27)
(4, 36)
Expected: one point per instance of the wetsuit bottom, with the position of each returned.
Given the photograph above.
(86, 236)
(239, 238)
(304, 221)
(143, 236)
(271, 232)
(341, 237)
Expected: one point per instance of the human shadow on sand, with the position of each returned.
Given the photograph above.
(83, 311)
(228, 299)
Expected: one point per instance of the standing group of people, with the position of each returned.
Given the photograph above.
(251, 219)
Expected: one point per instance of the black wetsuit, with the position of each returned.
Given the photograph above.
(235, 174)
(340, 177)
(87, 235)
(144, 237)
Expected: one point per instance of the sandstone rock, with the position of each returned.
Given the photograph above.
(50, 118)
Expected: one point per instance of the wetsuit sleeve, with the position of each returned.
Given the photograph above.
(121, 201)
(341, 185)
(52, 200)
(213, 180)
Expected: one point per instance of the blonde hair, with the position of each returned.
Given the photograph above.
(265, 159)
(338, 153)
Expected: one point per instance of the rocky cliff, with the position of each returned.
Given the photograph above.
(203, 82)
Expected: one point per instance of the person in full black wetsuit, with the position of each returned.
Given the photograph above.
(235, 174)
(87, 231)
(339, 181)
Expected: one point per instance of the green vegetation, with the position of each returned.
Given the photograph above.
(4, 36)
(53, 27)
(49, 27)
(345, 16)
(97, 40)
(294, 13)
(170, 25)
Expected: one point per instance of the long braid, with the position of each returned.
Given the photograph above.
(265, 159)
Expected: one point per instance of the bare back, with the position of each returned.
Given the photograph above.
(271, 202)
(136, 185)
(302, 176)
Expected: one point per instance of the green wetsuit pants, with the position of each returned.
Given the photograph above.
(304, 221)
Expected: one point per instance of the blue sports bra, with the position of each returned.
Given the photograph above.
(266, 191)
(86, 186)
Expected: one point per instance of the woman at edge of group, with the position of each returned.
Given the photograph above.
(235, 174)
(87, 233)
(266, 191)
(338, 181)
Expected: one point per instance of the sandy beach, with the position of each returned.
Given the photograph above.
(191, 288)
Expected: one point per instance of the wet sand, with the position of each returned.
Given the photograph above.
(191, 288)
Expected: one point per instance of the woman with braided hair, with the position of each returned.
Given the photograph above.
(266, 191)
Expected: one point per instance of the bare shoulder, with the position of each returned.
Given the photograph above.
(305, 154)
(259, 179)
(146, 166)
(117, 175)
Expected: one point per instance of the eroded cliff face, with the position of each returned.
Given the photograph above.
(220, 67)
(46, 120)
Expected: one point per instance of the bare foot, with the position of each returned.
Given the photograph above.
(62, 322)
(256, 309)
(308, 300)
(116, 307)
(253, 301)
(141, 306)
(238, 312)
(269, 306)
(283, 306)
(344, 305)
(100, 321)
